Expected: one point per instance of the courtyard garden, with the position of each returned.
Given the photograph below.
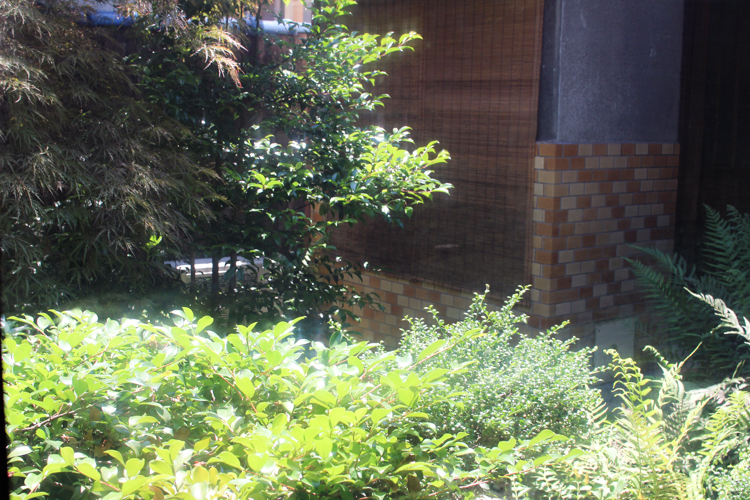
(190, 132)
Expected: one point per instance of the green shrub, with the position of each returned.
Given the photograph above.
(131, 409)
(731, 482)
(723, 272)
(516, 386)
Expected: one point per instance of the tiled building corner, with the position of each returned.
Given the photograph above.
(591, 203)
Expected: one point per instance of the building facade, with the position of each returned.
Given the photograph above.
(562, 118)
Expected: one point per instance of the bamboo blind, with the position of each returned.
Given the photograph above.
(471, 84)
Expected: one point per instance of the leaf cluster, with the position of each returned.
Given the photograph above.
(139, 410)
(88, 171)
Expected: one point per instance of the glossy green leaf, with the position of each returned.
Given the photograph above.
(203, 323)
(134, 466)
(67, 454)
(88, 470)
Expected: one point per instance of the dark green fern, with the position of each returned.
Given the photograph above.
(722, 273)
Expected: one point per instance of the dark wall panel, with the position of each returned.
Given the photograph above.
(715, 115)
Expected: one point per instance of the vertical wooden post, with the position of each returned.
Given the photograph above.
(192, 273)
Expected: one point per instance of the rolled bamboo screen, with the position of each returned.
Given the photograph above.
(471, 84)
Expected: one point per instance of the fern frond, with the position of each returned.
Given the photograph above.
(728, 317)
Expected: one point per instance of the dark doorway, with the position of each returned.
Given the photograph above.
(715, 115)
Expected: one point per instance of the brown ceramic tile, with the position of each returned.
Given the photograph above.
(557, 164)
(613, 175)
(545, 203)
(634, 161)
(574, 242)
(627, 175)
(581, 254)
(600, 149)
(567, 229)
(556, 217)
(550, 149)
(554, 244)
(554, 271)
(556, 190)
(585, 175)
(544, 257)
(563, 283)
(628, 149)
(583, 202)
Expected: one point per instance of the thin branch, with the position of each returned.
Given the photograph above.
(45, 422)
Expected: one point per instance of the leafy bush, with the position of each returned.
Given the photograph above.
(724, 272)
(130, 409)
(516, 386)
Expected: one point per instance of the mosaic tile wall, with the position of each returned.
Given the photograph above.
(591, 203)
